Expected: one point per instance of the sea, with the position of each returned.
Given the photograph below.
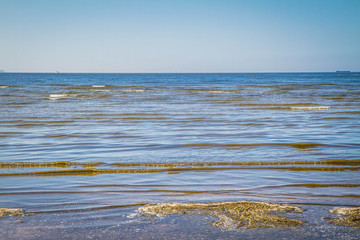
(81, 152)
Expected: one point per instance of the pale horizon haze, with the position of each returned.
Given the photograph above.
(140, 36)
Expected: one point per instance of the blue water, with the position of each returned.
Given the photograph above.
(214, 79)
(114, 119)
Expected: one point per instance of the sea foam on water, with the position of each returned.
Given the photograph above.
(54, 96)
(311, 108)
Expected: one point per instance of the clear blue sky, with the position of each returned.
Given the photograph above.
(179, 35)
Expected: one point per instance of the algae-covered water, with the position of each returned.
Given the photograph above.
(81, 155)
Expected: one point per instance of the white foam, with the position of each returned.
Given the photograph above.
(54, 96)
(218, 91)
(98, 86)
(58, 95)
(3, 86)
(311, 108)
(134, 90)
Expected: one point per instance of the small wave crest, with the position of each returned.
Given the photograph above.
(310, 108)
(134, 90)
(54, 96)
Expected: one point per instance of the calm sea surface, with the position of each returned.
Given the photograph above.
(81, 152)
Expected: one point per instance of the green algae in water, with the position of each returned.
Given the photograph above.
(348, 216)
(230, 215)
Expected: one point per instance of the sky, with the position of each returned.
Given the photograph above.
(177, 36)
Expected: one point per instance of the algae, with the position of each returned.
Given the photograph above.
(235, 146)
(175, 167)
(341, 162)
(175, 164)
(348, 216)
(95, 171)
(16, 212)
(63, 164)
(230, 215)
(304, 145)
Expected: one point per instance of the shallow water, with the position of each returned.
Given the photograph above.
(204, 137)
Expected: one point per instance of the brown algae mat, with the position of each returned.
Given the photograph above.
(15, 212)
(348, 216)
(173, 167)
(230, 215)
(58, 164)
